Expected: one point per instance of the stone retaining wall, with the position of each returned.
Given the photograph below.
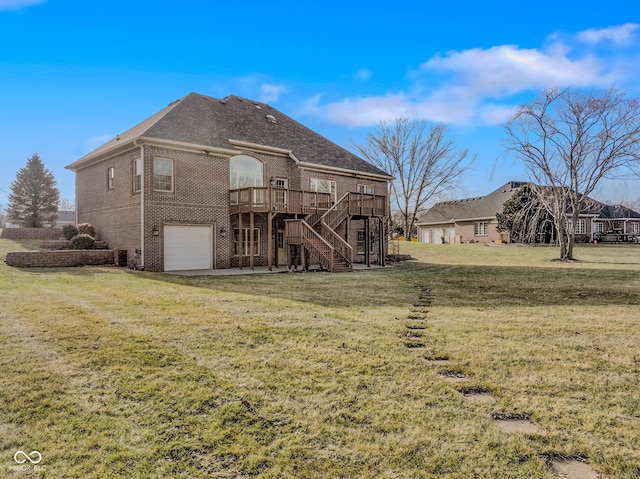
(66, 244)
(62, 258)
(31, 233)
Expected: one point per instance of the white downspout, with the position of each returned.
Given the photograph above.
(142, 222)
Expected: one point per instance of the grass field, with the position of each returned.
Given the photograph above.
(113, 373)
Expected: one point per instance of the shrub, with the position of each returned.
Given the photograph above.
(86, 229)
(82, 241)
(69, 231)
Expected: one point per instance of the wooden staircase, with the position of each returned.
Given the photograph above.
(320, 241)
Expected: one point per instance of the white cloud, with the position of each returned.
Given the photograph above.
(620, 34)
(508, 69)
(18, 4)
(270, 93)
(480, 86)
(368, 111)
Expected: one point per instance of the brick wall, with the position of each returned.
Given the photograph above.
(53, 259)
(200, 196)
(31, 233)
(113, 212)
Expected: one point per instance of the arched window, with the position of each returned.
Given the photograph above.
(245, 172)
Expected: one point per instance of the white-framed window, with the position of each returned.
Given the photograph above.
(320, 185)
(366, 189)
(243, 242)
(111, 173)
(581, 226)
(281, 183)
(480, 228)
(599, 227)
(361, 244)
(136, 172)
(635, 228)
(162, 174)
(245, 172)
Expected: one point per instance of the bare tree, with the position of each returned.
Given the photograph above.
(66, 205)
(632, 204)
(569, 141)
(424, 163)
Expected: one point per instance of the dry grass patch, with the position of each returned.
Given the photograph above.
(111, 373)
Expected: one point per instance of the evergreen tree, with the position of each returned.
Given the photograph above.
(33, 200)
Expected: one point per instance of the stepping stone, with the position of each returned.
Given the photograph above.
(412, 335)
(573, 469)
(412, 345)
(453, 376)
(478, 395)
(515, 423)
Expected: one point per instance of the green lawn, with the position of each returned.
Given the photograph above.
(113, 373)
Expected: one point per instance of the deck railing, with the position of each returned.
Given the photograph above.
(269, 199)
(343, 249)
(264, 200)
(298, 232)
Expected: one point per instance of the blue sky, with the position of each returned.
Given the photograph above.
(74, 73)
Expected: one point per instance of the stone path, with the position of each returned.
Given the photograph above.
(415, 337)
(573, 469)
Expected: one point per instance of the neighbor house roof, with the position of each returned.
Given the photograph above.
(486, 207)
(224, 126)
(617, 212)
(478, 208)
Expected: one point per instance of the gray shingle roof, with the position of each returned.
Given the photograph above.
(482, 207)
(206, 121)
(486, 207)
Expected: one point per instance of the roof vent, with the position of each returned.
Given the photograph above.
(225, 100)
(271, 118)
(257, 106)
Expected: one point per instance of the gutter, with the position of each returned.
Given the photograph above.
(357, 174)
(142, 222)
(456, 220)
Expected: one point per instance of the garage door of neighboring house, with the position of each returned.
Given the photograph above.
(188, 247)
(425, 237)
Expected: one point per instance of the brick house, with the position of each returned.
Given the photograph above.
(466, 220)
(209, 184)
(473, 220)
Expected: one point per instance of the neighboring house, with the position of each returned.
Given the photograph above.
(611, 223)
(473, 220)
(469, 220)
(208, 183)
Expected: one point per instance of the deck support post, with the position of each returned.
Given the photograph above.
(251, 239)
(367, 241)
(270, 241)
(382, 242)
(240, 241)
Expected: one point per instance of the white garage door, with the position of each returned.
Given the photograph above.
(187, 247)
